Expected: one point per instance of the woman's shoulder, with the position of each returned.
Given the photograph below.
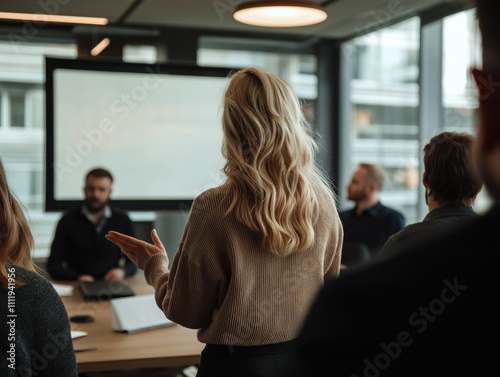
(214, 192)
(37, 294)
(31, 280)
(326, 198)
(328, 214)
(216, 199)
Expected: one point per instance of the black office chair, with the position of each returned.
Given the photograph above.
(354, 253)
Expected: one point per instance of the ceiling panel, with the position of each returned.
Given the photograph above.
(353, 17)
(206, 14)
(345, 17)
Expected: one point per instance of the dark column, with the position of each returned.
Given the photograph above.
(178, 47)
(327, 108)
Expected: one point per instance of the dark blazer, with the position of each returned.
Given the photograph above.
(435, 221)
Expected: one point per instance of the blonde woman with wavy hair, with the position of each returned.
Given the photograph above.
(256, 249)
(33, 313)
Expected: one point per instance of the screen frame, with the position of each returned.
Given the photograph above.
(51, 64)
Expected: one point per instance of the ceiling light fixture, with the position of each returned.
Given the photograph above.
(42, 17)
(100, 47)
(280, 13)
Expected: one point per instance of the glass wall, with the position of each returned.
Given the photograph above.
(461, 51)
(383, 110)
(22, 129)
(382, 86)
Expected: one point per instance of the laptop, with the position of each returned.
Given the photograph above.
(101, 290)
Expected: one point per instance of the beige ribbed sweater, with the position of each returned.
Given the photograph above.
(225, 284)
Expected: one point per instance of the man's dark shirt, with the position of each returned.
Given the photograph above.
(431, 309)
(435, 221)
(373, 227)
(79, 248)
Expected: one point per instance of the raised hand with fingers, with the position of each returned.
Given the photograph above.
(136, 250)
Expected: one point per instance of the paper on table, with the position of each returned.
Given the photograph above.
(137, 313)
(77, 334)
(63, 290)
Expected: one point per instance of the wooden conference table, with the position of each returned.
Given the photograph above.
(172, 346)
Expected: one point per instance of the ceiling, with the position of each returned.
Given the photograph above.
(345, 17)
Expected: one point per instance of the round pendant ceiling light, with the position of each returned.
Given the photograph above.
(280, 13)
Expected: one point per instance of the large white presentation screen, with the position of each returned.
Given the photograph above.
(160, 135)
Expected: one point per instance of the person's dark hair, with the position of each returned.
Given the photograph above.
(99, 173)
(449, 170)
(375, 174)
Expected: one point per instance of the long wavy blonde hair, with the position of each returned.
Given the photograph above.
(16, 240)
(270, 168)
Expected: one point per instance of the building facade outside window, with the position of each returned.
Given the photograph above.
(382, 110)
(22, 129)
(461, 52)
(381, 92)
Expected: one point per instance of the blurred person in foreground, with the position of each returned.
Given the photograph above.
(35, 332)
(451, 186)
(431, 309)
(256, 249)
(80, 250)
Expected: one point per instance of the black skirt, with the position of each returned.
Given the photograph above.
(269, 360)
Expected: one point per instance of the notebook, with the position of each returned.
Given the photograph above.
(101, 290)
(137, 313)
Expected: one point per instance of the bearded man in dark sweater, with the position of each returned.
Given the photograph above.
(79, 250)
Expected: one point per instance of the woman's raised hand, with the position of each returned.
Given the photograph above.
(136, 250)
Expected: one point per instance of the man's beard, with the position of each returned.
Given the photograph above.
(356, 197)
(93, 208)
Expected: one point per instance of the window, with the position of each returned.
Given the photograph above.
(383, 110)
(299, 70)
(35, 108)
(461, 52)
(139, 54)
(22, 137)
(17, 109)
(387, 74)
